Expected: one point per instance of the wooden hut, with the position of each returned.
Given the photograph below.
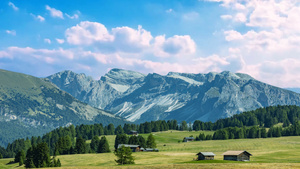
(237, 155)
(188, 139)
(134, 148)
(206, 156)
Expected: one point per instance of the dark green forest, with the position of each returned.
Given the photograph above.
(251, 124)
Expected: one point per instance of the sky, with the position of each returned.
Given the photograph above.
(257, 37)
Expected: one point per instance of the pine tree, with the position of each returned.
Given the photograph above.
(119, 130)
(124, 155)
(80, 147)
(58, 163)
(1, 156)
(121, 139)
(151, 141)
(94, 143)
(103, 146)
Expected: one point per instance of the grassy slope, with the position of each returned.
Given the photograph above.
(267, 153)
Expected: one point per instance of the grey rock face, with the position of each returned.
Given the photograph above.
(181, 96)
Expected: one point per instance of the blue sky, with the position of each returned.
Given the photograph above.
(260, 38)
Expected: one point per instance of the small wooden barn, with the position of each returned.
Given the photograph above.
(206, 156)
(134, 148)
(188, 139)
(237, 155)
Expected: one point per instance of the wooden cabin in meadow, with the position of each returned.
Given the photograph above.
(206, 156)
(134, 148)
(188, 139)
(133, 133)
(237, 155)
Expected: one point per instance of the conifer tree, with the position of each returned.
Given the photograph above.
(121, 139)
(151, 141)
(1, 156)
(103, 146)
(80, 145)
(124, 155)
(94, 143)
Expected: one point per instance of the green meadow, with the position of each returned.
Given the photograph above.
(283, 152)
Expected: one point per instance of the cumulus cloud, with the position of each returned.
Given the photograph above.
(129, 40)
(176, 45)
(11, 32)
(54, 12)
(13, 6)
(269, 46)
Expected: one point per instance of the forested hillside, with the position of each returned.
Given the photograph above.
(253, 124)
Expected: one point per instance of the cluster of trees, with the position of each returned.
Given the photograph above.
(266, 117)
(37, 157)
(135, 140)
(203, 137)
(256, 132)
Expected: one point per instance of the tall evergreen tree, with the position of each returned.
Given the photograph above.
(103, 146)
(124, 155)
(1, 156)
(94, 143)
(119, 130)
(80, 146)
(151, 141)
(121, 139)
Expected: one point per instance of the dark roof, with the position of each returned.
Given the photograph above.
(128, 145)
(236, 153)
(189, 138)
(206, 153)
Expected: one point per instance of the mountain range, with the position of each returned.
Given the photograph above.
(182, 96)
(31, 106)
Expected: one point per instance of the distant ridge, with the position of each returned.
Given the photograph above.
(182, 96)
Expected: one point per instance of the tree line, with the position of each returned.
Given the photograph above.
(249, 124)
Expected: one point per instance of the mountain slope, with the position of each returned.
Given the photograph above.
(180, 96)
(33, 106)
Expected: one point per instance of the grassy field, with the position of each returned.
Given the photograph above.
(283, 152)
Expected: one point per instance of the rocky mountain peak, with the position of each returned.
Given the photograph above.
(181, 96)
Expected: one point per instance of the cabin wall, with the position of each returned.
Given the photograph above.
(230, 157)
(243, 157)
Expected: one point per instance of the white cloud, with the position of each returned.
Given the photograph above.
(269, 42)
(60, 41)
(38, 17)
(174, 46)
(54, 12)
(75, 16)
(128, 40)
(226, 17)
(11, 32)
(87, 33)
(47, 41)
(13, 6)
(240, 17)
